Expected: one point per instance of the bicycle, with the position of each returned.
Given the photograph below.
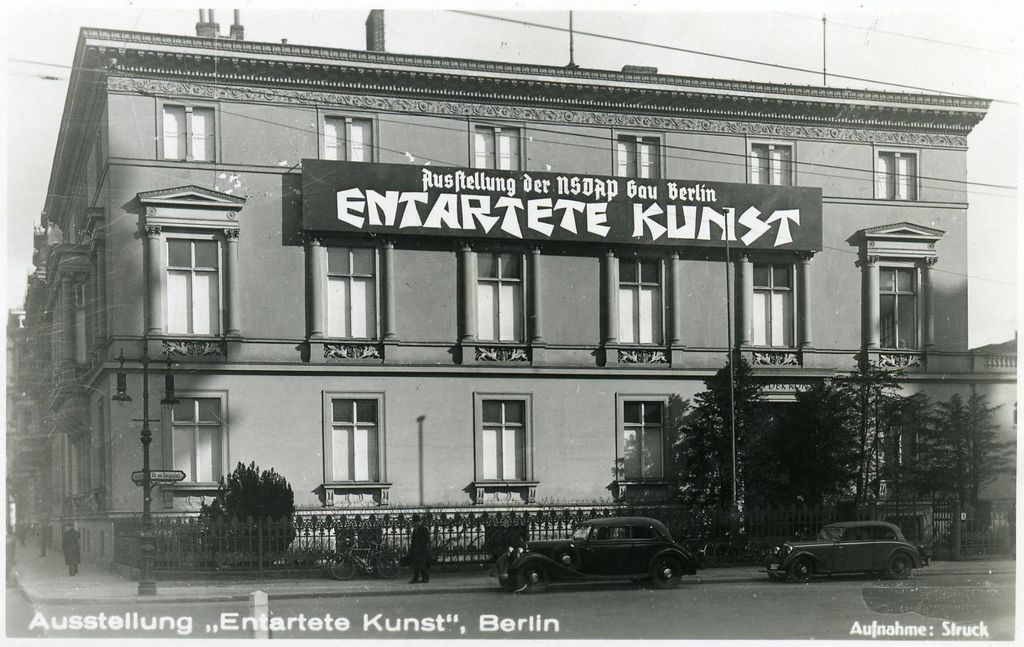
(375, 558)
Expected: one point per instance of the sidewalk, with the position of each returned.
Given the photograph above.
(45, 580)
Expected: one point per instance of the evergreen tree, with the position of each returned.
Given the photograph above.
(704, 452)
(251, 493)
(875, 395)
(813, 451)
(961, 451)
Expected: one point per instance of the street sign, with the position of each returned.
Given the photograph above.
(158, 476)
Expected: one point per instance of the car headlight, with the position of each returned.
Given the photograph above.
(786, 550)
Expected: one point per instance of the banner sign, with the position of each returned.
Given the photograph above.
(401, 199)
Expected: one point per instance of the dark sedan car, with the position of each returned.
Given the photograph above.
(626, 548)
(847, 547)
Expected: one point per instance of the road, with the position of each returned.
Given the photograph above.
(823, 609)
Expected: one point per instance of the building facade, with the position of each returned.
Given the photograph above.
(422, 281)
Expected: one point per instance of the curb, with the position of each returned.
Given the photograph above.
(242, 597)
(343, 593)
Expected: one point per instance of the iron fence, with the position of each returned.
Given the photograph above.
(475, 536)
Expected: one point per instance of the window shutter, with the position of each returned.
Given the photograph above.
(482, 156)
(202, 135)
(504, 144)
(174, 132)
(756, 162)
(884, 170)
(332, 136)
(622, 155)
(360, 140)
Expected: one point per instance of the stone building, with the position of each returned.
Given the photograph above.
(412, 280)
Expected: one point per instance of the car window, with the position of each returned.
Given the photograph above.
(881, 532)
(581, 533)
(857, 534)
(830, 533)
(644, 532)
(611, 533)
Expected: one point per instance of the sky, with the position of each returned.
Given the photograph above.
(966, 48)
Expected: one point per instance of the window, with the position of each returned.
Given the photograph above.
(348, 139)
(637, 157)
(189, 133)
(496, 147)
(197, 439)
(610, 533)
(640, 312)
(642, 440)
(897, 307)
(771, 164)
(883, 533)
(353, 445)
(500, 297)
(81, 338)
(351, 293)
(193, 286)
(504, 440)
(896, 176)
(773, 305)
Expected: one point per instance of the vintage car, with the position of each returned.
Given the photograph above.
(848, 547)
(626, 548)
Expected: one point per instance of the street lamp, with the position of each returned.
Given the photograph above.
(147, 576)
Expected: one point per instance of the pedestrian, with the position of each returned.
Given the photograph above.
(72, 549)
(419, 551)
(44, 538)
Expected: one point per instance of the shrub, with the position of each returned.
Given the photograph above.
(250, 495)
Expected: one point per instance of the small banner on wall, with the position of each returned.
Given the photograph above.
(400, 199)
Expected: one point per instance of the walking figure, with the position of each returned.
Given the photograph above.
(72, 549)
(419, 551)
(44, 538)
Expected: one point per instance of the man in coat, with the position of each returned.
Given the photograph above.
(419, 551)
(72, 549)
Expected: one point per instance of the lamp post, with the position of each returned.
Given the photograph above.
(147, 575)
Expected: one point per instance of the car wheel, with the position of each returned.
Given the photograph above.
(666, 572)
(900, 566)
(532, 579)
(801, 570)
(387, 565)
(341, 568)
(505, 579)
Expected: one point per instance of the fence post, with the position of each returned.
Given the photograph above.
(957, 509)
(259, 606)
(259, 544)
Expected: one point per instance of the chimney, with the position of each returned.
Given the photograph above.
(375, 31)
(207, 28)
(237, 30)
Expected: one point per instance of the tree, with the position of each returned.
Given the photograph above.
(961, 451)
(704, 453)
(251, 493)
(811, 456)
(875, 394)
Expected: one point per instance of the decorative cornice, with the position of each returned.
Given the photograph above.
(219, 53)
(191, 194)
(755, 127)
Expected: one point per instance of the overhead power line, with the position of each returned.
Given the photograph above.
(875, 30)
(610, 139)
(725, 57)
